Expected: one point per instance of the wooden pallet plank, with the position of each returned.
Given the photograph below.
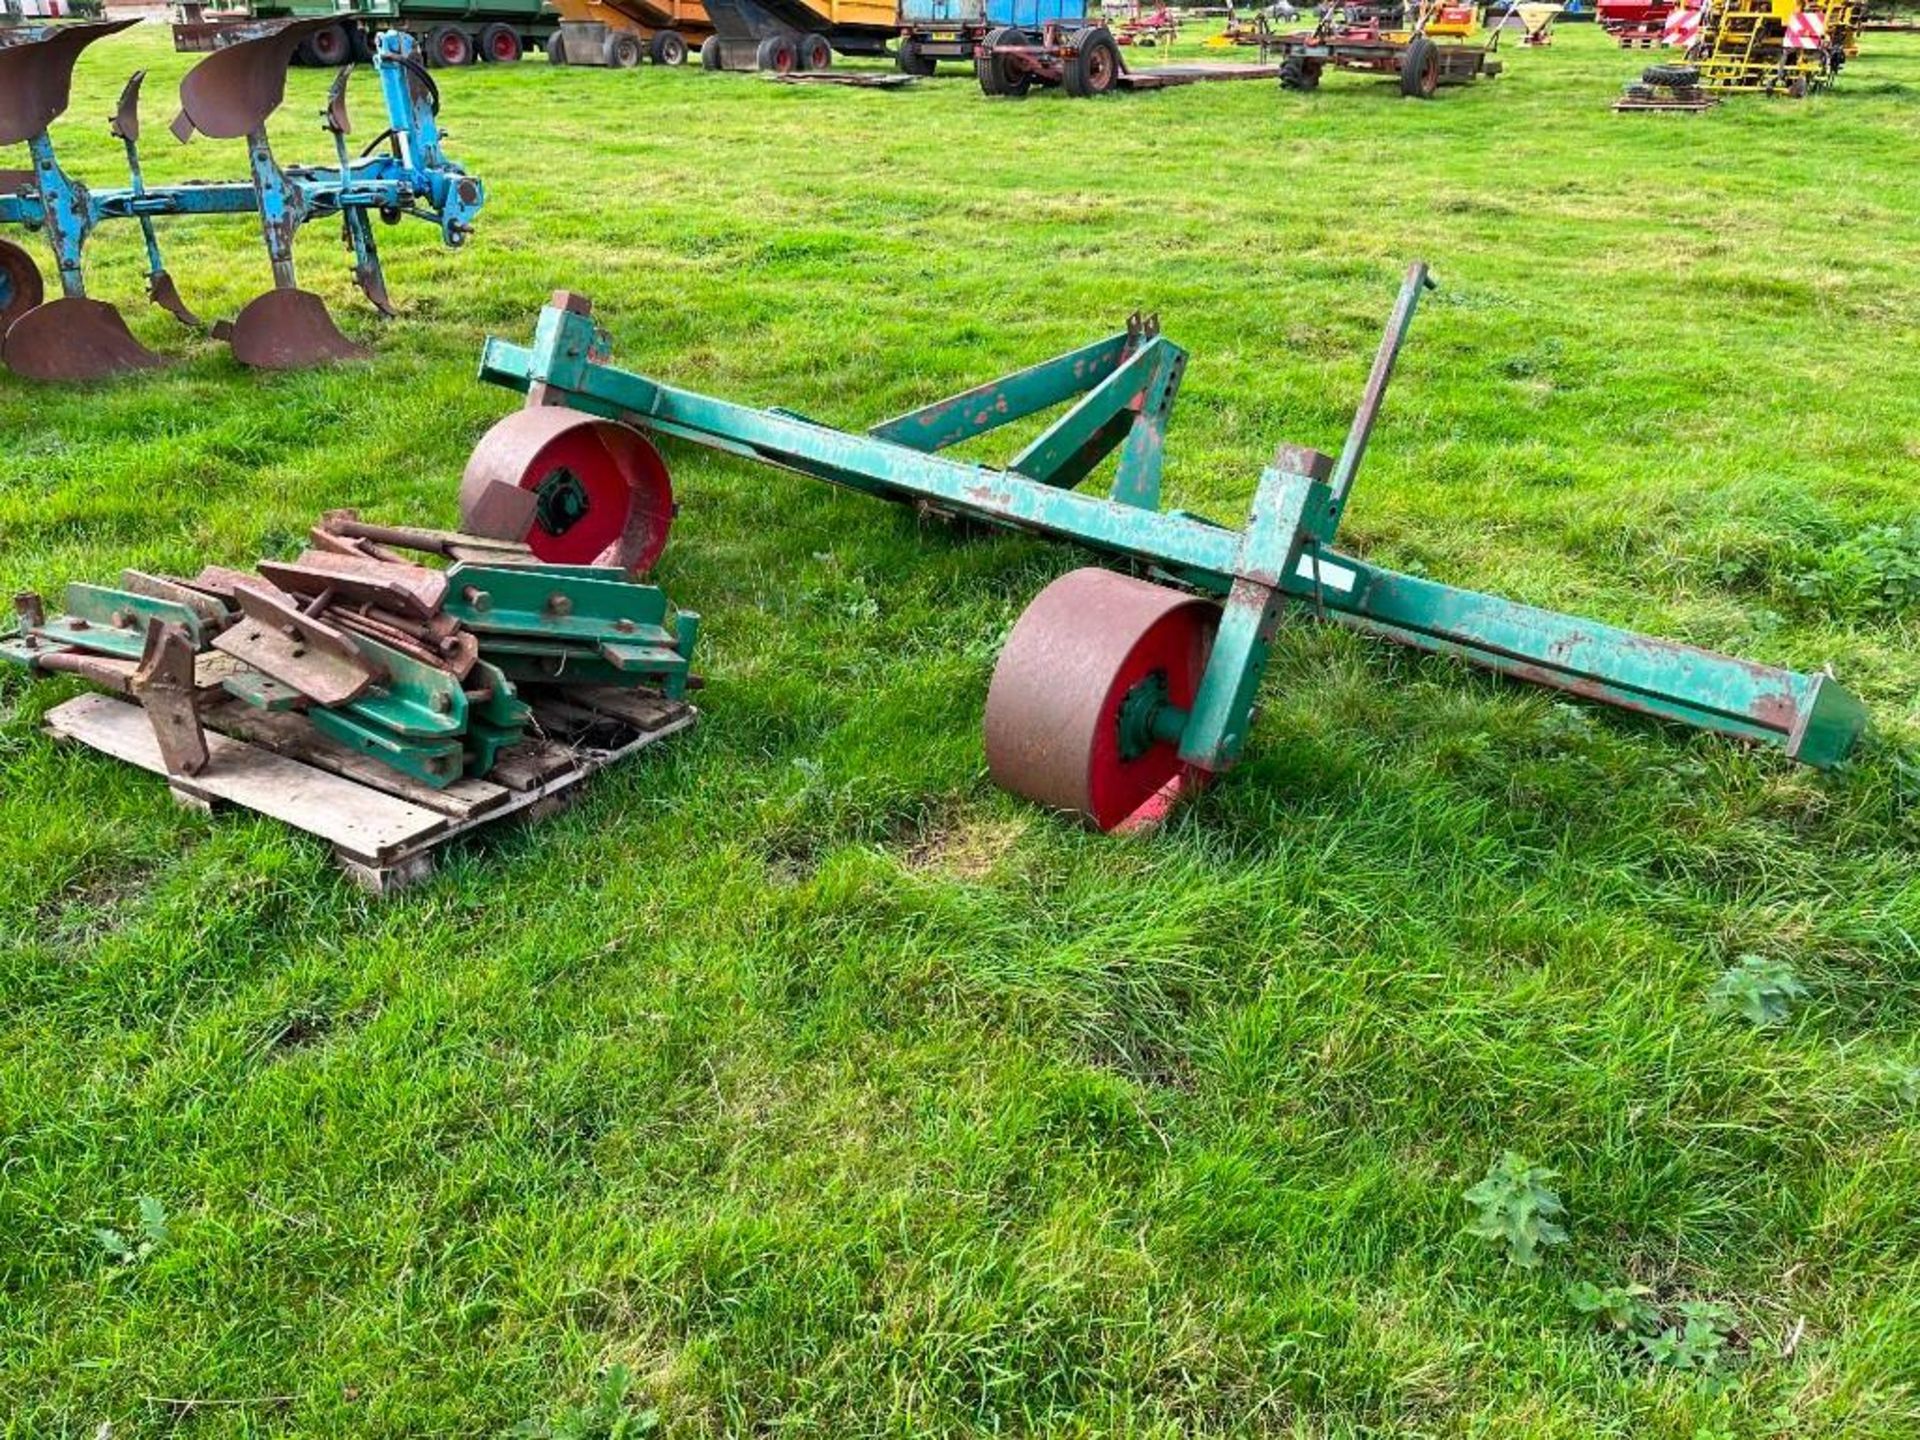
(294, 736)
(642, 709)
(360, 822)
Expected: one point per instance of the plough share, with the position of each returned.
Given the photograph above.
(1112, 691)
(227, 96)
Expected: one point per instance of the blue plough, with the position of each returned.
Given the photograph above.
(227, 96)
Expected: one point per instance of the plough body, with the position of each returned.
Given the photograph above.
(229, 95)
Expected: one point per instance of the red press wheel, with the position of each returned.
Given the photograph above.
(1089, 694)
(579, 490)
(20, 287)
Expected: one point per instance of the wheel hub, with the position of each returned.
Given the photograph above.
(1146, 715)
(560, 501)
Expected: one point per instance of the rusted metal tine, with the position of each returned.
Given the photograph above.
(163, 683)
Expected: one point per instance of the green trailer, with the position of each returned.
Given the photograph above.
(448, 32)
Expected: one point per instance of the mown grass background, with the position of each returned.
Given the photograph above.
(837, 1093)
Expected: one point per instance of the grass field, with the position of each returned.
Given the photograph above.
(832, 1092)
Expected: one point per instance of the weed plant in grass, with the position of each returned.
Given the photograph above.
(797, 1081)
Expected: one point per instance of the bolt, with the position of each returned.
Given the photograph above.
(558, 604)
(625, 627)
(476, 597)
(442, 702)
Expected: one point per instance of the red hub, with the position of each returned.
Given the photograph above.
(577, 489)
(1088, 696)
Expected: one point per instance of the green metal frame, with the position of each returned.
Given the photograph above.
(1126, 385)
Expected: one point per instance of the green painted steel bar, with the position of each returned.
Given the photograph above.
(1012, 397)
(1069, 449)
(864, 463)
(1811, 716)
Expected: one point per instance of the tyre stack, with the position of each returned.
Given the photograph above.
(1666, 87)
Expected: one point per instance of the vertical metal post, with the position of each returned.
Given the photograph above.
(1361, 430)
(64, 207)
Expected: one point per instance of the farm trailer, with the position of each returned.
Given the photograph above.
(1084, 60)
(619, 32)
(1431, 52)
(1113, 692)
(448, 32)
(936, 30)
(783, 36)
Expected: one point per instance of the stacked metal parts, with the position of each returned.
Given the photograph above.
(419, 667)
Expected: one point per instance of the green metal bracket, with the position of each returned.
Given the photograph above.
(114, 622)
(436, 762)
(414, 700)
(521, 600)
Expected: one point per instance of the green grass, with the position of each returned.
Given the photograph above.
(835, 1092)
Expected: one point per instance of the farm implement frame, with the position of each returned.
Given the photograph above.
(1112, 692)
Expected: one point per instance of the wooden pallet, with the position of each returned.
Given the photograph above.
(1678, 107)
(385, 828)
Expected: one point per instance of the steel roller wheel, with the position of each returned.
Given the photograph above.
(20, 285)
(1088, 696)
(578, 489)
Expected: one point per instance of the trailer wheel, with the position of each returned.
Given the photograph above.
(710, 53)
(669, 47)
(909, 61)
(556, 49)
(499, 44)
(1298, 73)
(815, 53)
(1420, 68)
(1095, 66)
(622, 49)
(995, 75)
(777, 54)
(330, 47)
(450, 46)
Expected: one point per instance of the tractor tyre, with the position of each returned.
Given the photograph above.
(814, 53)
(995, 74)
(449, 47)
(500, 44)
(1678, 76)
(909, 61)
(329, 47)
(710, 53)
(556, 49)
(778, 55)
(669, 47)
(1095, 66)
(622, 50)
(1420, 69)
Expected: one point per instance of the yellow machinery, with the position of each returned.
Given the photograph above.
(619, 32)
(1750, 45)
